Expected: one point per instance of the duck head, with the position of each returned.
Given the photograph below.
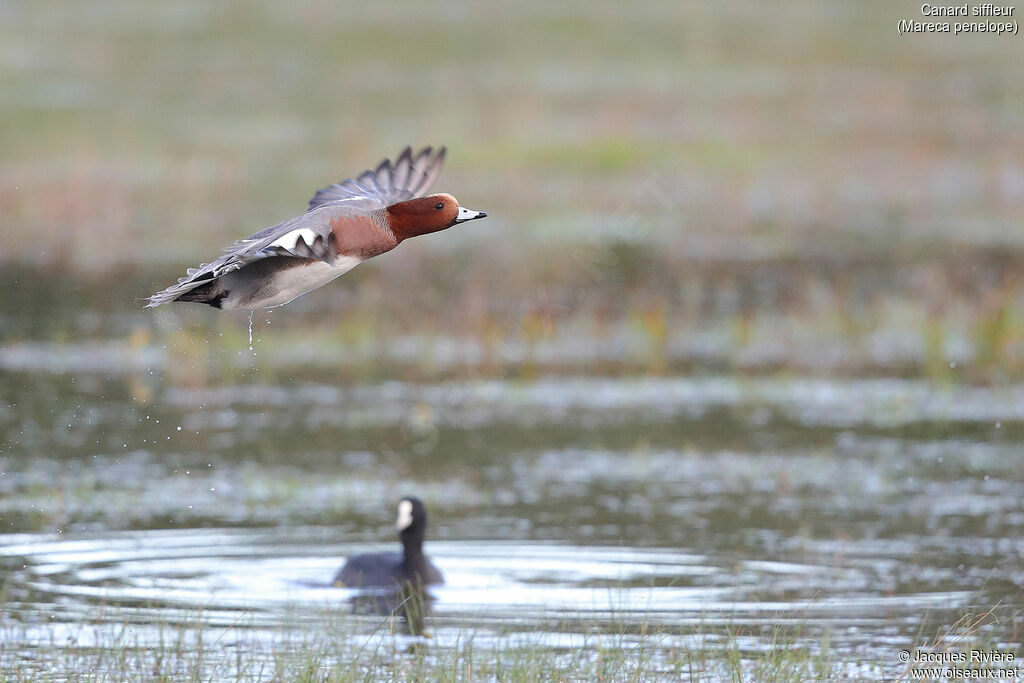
(425, 215)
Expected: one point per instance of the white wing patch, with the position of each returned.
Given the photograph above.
(290, 239)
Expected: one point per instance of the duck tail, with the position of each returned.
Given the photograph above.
(203, 293)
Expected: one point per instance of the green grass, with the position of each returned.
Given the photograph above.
(783, 181)
(157, 135)
(334, 651)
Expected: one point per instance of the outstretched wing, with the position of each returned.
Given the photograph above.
(391, 182)
(308, 237)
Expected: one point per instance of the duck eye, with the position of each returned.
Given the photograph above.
(439, 206)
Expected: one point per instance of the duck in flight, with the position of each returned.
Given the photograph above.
(344, 225)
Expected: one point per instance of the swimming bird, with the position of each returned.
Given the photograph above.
(391, 569)
(345, 224)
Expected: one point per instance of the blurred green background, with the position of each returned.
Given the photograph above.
(695, 165)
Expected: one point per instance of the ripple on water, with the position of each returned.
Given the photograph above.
(498, 588)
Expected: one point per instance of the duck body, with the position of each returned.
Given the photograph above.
(275, 279)
(344, 225)
(409, 568)
(388, 569)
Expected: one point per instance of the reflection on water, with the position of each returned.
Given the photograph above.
(553, 594)
(264, 571)
(567, 512)
(411, 606)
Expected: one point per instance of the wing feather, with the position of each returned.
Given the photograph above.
(309, 236)
(390, 182)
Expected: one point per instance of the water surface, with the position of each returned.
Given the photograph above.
(142, 497)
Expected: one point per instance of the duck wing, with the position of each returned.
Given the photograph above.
(308, 236)
(407, 177)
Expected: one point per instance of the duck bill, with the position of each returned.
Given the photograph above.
(468, 215)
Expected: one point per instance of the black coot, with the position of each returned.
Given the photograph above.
(389, 570)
